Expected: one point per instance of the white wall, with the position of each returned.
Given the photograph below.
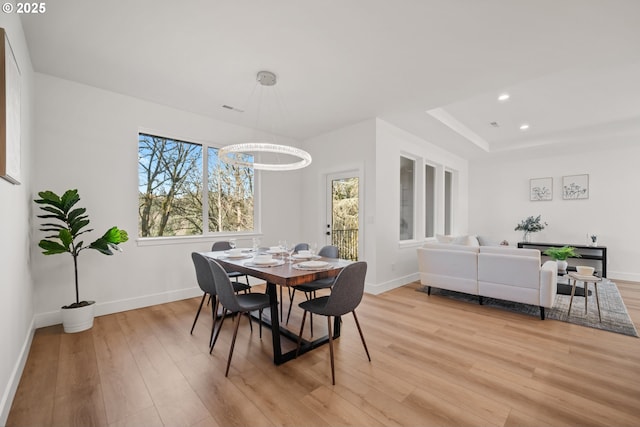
(351, 148)
(87, 139)
(16, 287)
(397, 262)
(499, 200)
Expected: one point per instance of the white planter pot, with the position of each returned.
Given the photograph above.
(562, 265)
(78, 319)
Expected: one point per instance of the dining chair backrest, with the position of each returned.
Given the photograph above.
(203, 273)
(301, 247)
(329, 251)
(220, 246)
(347, 290)
(224, 287)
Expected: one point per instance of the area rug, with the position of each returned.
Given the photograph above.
(615, 317)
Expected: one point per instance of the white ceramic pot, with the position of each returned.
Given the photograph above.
(78, 319)
(562, 265)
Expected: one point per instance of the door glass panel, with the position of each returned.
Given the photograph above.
(344, 216)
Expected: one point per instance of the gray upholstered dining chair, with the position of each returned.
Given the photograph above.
(234, 303)
(346, 295)
(224, 245)
(206, 283)
(310, 288)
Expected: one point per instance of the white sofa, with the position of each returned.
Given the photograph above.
(493, 271)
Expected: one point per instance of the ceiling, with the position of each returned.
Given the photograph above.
(432, 67)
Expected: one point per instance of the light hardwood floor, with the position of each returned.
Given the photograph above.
(434, 362)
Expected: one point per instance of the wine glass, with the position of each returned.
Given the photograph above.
(283, 248)
(313, 249)
(291, 250)
(232, 243)
(256, 244)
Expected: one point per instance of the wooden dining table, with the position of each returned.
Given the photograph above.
(282, 275)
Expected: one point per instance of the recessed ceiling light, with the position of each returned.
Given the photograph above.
(524, 126)
(503, 97)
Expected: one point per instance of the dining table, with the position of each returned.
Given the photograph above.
(284, 272)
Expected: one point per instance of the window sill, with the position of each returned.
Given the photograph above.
(182, 240)
(410, 244)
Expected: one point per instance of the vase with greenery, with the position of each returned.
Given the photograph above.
(530, 225)
(561, 255)
(66, 224)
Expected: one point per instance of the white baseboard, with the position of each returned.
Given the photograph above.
(12, 385)
(619, 275)
(54, 317)
(392, 284)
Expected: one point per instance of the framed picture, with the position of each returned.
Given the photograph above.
(575, 187)
(9, 112)
(540, 189)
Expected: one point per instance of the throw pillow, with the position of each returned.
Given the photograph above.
(441, 238)
(485, 241)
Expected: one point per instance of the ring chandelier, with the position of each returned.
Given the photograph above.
(233, 154)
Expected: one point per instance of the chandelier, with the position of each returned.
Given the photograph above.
(238, 154)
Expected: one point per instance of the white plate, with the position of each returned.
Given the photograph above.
(313, 264)
(240, 255)
(270, 263)
(299, 256)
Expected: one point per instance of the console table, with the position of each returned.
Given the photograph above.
(594, 256)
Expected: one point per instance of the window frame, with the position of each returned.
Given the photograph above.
(206, 236)
(414, 199)
(434, 198)
(439, 194)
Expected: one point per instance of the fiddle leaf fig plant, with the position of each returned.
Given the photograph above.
(69, 223)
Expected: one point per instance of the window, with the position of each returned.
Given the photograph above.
(172, 198)
(407, 167)
(448, 197)
(429, 201)
(230, 193)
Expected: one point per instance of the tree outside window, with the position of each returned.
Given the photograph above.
(171, 191)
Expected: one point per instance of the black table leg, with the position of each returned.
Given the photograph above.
(278, 357)
(275, 324)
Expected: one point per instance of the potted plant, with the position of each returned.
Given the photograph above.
(69, 225)
(530, 225)
(561, 255)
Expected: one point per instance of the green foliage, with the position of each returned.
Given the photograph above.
(531, 224)
(561, 254)
(345, 217)
(63, 235)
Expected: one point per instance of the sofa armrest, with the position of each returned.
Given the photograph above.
(548, 283)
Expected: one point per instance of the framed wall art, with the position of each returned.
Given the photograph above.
(9, 112)
(575, 187)
(540, 189)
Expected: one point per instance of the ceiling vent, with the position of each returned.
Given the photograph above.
(229, 107)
